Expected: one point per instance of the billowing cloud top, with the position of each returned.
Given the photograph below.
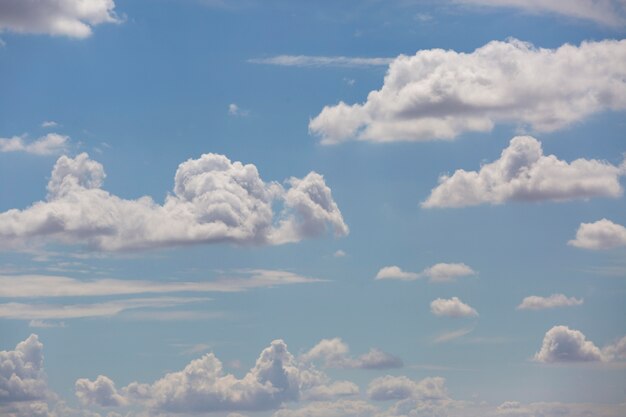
(21, 372)
(214, 200)
(603, 234)
(438, 94)
(73, 18)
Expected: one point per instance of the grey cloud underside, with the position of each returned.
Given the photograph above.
(524, 173)
(564, 345)
(438, 94)
(214, 200)
(21, 372)
(72, 18)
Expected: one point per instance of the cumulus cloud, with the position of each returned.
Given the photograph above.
(214, 200)
(401, 388)
(321, 61)
(335, 353)
(72, 18)
(524, 173)
(616, 351)
(441, 272)
(562, 344)
(331, 391)
(452, 307)
(50, 144)
(19, 286)
(535, 302)
(22, 377)
(605, 12)
(603, 234)
(100, 392)
(439, 94)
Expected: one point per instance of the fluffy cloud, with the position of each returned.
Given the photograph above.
(100, 392)
(603, 234)
(401, 388)
(50, 144)
(335, 353)
(535, 302)
(562, 344)
(21, 372)
(452, 307)
(441, 272)
(73, 18)
(214, 200)
(606, 12)
(439, 94)
(524, 173)
(616, 351)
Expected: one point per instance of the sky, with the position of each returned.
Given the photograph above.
(355, 208)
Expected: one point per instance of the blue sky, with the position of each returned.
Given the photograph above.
(288, 208)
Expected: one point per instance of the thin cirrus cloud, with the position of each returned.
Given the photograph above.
(438, 94)
(71, 18)
(321, 61)
(50, 144)
(564, 345)
(605, 12)
(335, 353)
(452, 307)
(441, 272)
(600, 235)
(40, 286)
(535, 302)
(214, 200)
(524, 173)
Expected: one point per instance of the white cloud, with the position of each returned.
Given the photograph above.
(439, 94)
(524, 173)
(341, 408)
(335, 353)
(332, 391)
(42, 324)
(452, 307)
(535, 302)
(100, 392)
(603, 234)
(441, 272)
(72, 18)
(562, 344)
(400, 388)
(235, 110)
(21, 372)
(214, 200)
(50, 144)
(339, 254)
(451, 335)
(49, 123)
(605, 12)
(395, 272)
(616, 351)
(21, 311)
(17, 286)
(321, 61)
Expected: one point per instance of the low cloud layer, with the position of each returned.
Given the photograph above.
(452, 307)
(72, 18)
(441, 272)
(600, 235)
(335, 353)
(214, 200)
(401, 388)
(439, 94)
(50, 144)
(524, 173)
(535, 302)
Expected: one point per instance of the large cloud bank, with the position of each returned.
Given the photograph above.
(214, 200)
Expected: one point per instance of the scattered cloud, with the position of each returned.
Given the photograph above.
(321, 61)
(337, 389)
(400, 388)
(562, 344)
(340, 254)
(335, 353)
(615, 351)
(535, 302)
(452, 335)
(71, 18)
(605, 12)
(41, 324)
(603, 234)
(438, 94)
(524, 173)
(49, 123)
(235, 110)
(441, 272)
(341, 408)
(17, 286)
(100, 392)
(215, 200)
(50, 144)
(452, 307)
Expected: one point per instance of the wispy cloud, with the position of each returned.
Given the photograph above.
(321, 61)
(50, 144)
(452, 335)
